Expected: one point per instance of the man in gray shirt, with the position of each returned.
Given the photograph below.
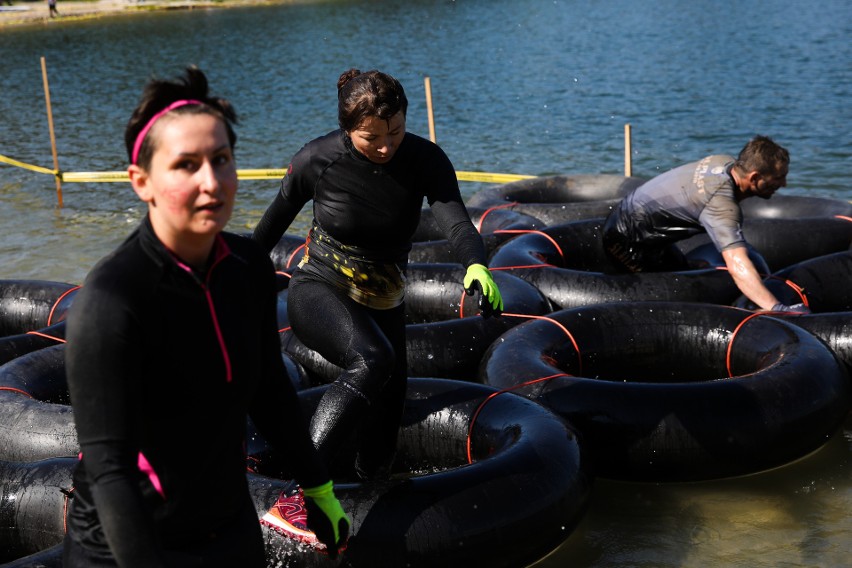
(703, 196)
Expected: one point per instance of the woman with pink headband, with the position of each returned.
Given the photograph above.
(172, 343)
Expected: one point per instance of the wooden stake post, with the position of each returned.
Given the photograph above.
(628, 164)
(52, 135)
(428, 85)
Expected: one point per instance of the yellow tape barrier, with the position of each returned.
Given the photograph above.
(491, 178)
(30, 167)
(84, 177)
(259, 174)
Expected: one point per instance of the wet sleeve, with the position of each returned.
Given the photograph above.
(450, 213)
(296, 189)
(275, 409)
(454, 220)
(279, 215)
(99, 365)
(722, 218)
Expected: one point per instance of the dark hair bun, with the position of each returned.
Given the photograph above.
(347, 76)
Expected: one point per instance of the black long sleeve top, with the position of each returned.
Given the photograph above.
(164, 365)
(374, 208)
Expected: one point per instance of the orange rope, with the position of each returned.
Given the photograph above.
(527, 383)
(489, 210)
(461, 305)
(56, 303)
(796, 288)
(734, 334)
(731, 342)
(19, 391)
(40, 334)
(252, 466)
(543, 234)
(560, 326)
(494, 394)
(68, 497)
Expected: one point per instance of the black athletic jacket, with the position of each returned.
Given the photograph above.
(163, 367)
(373, 207)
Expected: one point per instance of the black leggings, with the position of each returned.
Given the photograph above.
(630, 256)
(369, 345)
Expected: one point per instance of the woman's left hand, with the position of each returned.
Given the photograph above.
(478, 276)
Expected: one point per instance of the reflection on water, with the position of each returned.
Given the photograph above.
(42, 242)
(519, 86)
(796, 515)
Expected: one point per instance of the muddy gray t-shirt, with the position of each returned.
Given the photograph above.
(683, 202)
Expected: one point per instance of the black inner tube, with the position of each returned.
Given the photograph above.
(665, 391)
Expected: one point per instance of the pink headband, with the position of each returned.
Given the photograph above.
(144, 132)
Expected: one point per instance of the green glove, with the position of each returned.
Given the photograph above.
(326, 517)
(478, 276)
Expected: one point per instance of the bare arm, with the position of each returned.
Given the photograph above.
(747, 279)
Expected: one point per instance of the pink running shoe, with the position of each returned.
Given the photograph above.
(289, 517)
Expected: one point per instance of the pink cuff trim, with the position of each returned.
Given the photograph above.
(145, 467)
